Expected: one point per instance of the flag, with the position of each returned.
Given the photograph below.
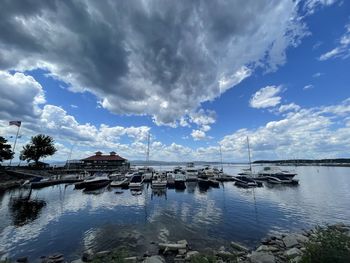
(17, 123)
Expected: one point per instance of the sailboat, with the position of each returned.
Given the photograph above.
(246, 179)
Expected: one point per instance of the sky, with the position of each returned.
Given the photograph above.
(195, 75)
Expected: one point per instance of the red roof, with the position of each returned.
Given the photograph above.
(104, 158)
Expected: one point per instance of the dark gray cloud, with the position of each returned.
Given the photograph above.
(162, 58)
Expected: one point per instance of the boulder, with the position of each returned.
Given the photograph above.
(130, 260)
(182, 251)
(262, 257)
(87, 256)
(154, 259)
(293, 252)
(239, 247)
(290, 241)
(183, 242)
(267, 248)
(102, 254)
(301, 238)
(191, 254)
(77, 261)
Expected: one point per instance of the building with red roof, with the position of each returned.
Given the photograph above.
(101, 161)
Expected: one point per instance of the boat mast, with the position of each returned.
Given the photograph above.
(222, 168)
(250, 161)
(148, 143)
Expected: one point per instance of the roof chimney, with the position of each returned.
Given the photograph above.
(98, 153)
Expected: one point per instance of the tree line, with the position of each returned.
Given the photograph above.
(40, 146)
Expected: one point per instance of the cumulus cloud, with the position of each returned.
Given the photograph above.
(343, 48)
(153, 57)
(20, 96)
(289, 107)
(307, 133)
(198, 135)
(266, 97)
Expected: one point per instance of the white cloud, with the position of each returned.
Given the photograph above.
(20, 96)
(306, 87)
(266, 97)
(343, 48)
(139, 69)
(289, 107)
(74, 106)
(198, 135)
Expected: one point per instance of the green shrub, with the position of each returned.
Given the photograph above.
(329, 245)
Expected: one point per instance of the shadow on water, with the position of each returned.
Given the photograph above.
(24, 210)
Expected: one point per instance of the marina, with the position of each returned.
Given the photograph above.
(112, 216)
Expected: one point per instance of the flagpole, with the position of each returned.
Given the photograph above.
(14, 145)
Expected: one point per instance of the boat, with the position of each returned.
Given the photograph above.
(203, 183)
(159, 181)
(115, 176)
(214, 183)
(123, 183)
(180, 180)
(276, 172)
(191, 173)
(276, 180)
(93, 183)
(136, 182)
(246, 182)
(170, 180)
(98, 184)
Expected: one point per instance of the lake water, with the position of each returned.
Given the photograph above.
(61, 219)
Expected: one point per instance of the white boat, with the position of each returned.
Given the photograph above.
(120, 183)
(191, 172)
(159, 181)
(276, 180)
(136, 182)
(115, 176)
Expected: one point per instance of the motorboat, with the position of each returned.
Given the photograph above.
(159, 181)
(93, 184)
(276, 172)
(246, 182)
(115, 176)
(123, 183)
(170, 180)
(191, 173)
(136, 182)
(276, 180)
(203, 183)
(180, 180)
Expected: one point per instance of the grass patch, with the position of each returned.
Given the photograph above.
(329, 245)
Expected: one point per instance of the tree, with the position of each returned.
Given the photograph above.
(40, 146)
(5, 150)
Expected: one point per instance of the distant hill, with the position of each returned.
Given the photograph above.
(337, 161)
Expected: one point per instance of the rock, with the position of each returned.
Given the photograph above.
(22, 260)
(77, 261)
(262, 257)
(191, 254)
(293, 252)
(102, 254)
(183, 242)
(130, 260)
(301, 238)
(222, 248)
(154, 259)
(182, 251)
(179, 259)
(239, 247)
(267, 248)
(296, 259)
(87, 256)
(290, 241)
(172, 246)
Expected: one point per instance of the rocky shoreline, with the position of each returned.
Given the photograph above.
(273, 249)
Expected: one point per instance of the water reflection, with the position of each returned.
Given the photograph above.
(24, 211)
(71, 221)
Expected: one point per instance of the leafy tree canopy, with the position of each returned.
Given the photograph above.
(5, 150)
(40, 146)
